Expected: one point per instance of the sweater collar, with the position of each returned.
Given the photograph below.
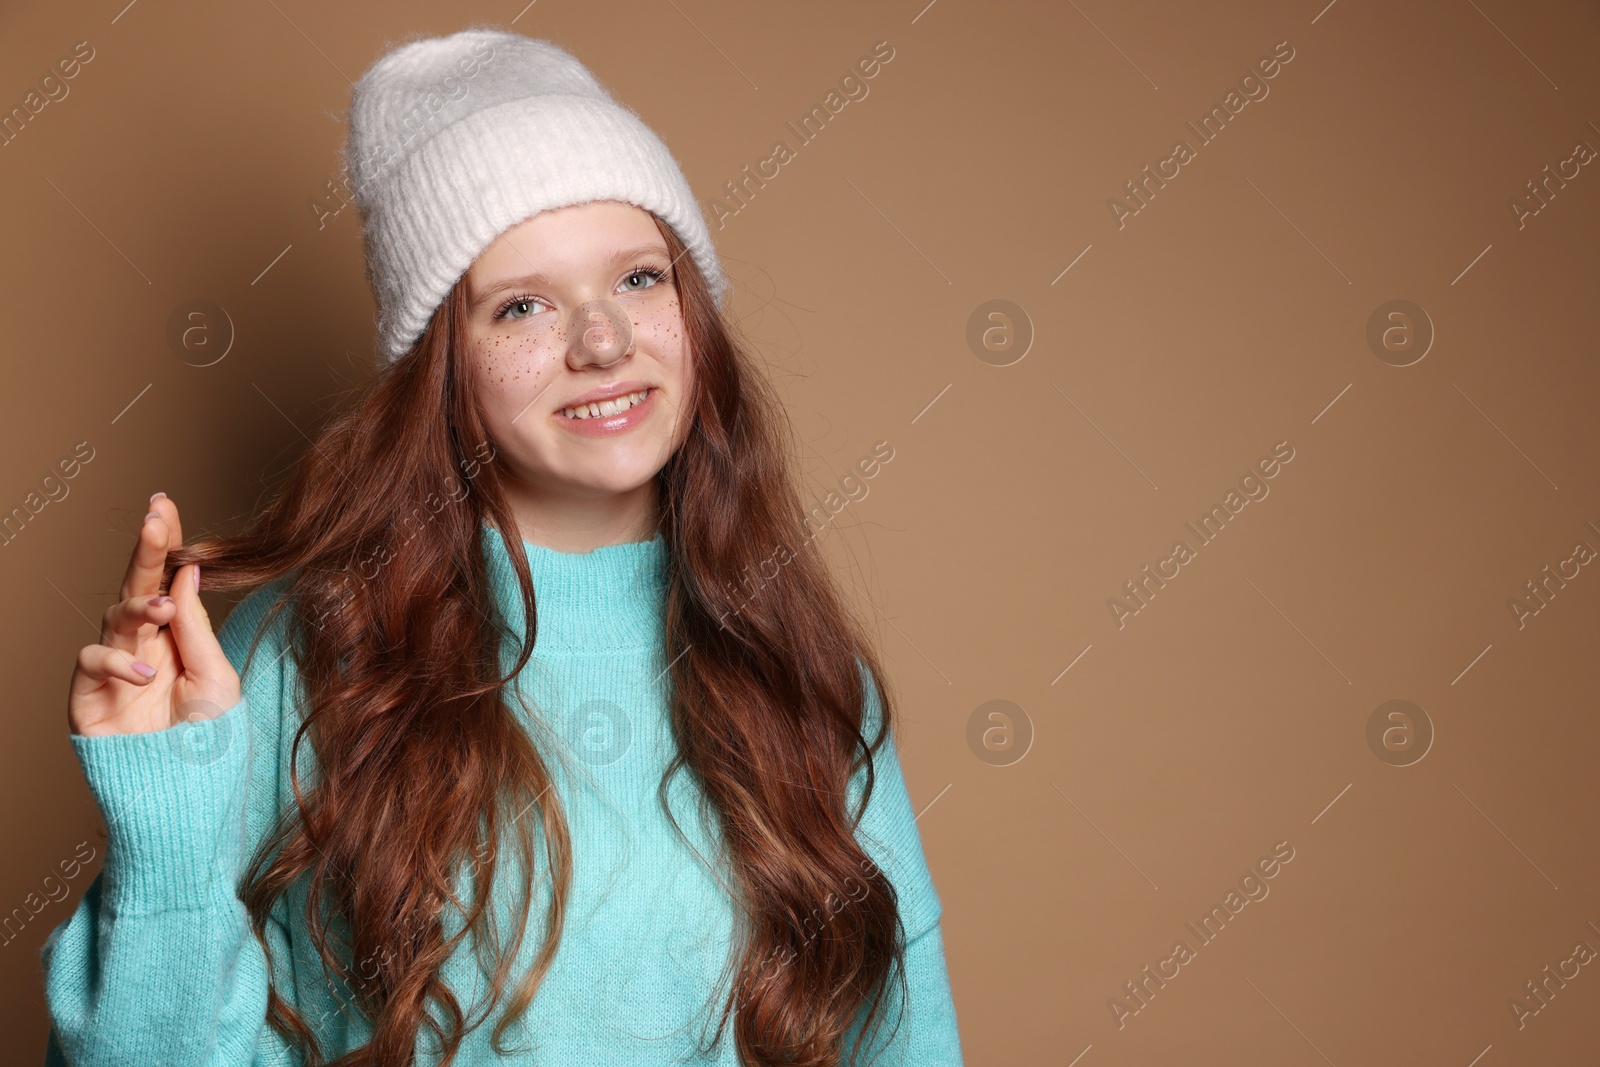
(608, 599)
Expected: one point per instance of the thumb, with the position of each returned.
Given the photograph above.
(191, 628)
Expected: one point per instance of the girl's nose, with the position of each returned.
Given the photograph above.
(598, 331)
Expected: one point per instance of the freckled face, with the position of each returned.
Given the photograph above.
(535, 361)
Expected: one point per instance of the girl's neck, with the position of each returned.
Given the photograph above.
(582, 524)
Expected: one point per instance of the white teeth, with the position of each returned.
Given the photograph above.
(605, 408)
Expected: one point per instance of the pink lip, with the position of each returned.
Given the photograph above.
(621, 422)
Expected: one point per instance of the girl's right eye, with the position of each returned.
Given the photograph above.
(521, 303)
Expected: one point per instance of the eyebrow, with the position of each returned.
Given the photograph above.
(536, 280)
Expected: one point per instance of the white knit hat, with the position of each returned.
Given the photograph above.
(453, 140)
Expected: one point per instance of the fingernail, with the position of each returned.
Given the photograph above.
(197, 577)
(151, 515)
(157, 601)
(154, 495)
(144, 669)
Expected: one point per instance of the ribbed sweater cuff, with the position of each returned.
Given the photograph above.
(174, 805)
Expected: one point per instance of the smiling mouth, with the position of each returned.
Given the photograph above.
(601, 409)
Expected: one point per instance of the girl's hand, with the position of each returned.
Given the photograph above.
(158, 663)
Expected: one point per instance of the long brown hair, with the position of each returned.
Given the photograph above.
(420, 762)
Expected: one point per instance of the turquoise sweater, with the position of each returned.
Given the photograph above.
(158, 966)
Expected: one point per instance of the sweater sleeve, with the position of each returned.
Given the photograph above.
(158, 964)
(926, 1034)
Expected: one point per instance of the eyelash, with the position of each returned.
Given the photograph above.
(529, 298)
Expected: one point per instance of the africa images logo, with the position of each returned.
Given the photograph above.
(1253, 487)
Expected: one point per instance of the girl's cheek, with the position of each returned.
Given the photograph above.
(661, 328)
(510, 367)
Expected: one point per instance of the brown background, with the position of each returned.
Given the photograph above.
(1225, 317)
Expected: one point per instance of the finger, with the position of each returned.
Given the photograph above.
(162, 505)
(149, 558)
(191, 628)
(120, 626)
(97, 663)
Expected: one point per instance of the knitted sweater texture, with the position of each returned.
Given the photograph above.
(158, 965)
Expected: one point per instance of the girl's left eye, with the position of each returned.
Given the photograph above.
(651, 274)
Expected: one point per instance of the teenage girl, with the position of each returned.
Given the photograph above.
(543, 732)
